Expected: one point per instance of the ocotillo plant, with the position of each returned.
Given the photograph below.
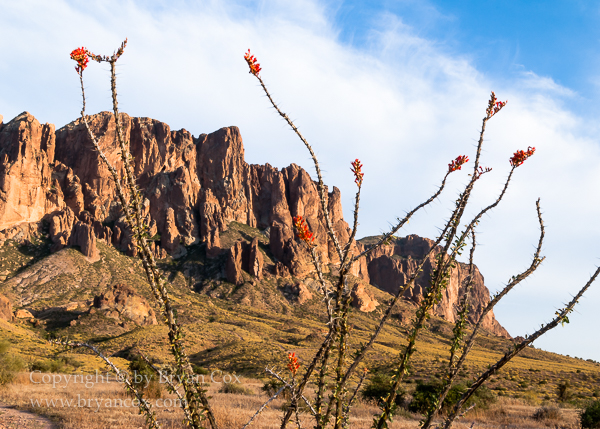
(335, 345)
(334, 360)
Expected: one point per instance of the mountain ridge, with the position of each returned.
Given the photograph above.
(194, 188)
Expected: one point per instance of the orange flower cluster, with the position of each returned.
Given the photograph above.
(358, 174)
(302, 231)
(494, 106)
(252, 63)
(520, 156)
(293, 364)
(457, 163)
(81, 56)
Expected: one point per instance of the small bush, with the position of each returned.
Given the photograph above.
(10, 364)
(590, 416)
(272, 386)
(426, 393)
(144, 378)
(547, 413)
(59, 364)
(563, 391)
(236, 389)
(379, 387)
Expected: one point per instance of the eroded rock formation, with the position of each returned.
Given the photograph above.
(192, 188)
(391, 266)
(6, 311)
(121, 300)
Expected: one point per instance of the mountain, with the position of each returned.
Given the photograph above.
(54, 186)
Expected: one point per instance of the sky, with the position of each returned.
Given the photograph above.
(402, 85)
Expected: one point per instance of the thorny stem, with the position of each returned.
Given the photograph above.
(291, 387)
(155, 279)
(537, 260)
(561, 316)
(309, 370)
(438, 281)
(354, 229)
(172, 388)
(347, 407)
(264, 406)
(384, 239)
(458, 331)
(321, 185)
(144, 406)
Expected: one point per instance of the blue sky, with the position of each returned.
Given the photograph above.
(401, 85)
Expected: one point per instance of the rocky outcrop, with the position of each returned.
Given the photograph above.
(192, 189)
(233, 266)
(391, 266)
(362, 300)
(301, 292)
(6, 311)
(246, 257)
(256, 260)
(23, 314)
(26, 156)
(120, 300)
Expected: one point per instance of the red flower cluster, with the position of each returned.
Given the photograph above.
(494, 106)
(293, 364)
(520, 156)
(252, 63)
(358, 174)
(302, 231)
(457, 163)
(81, 56)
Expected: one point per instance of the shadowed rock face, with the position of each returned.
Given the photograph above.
(193, 188)
(391, 266)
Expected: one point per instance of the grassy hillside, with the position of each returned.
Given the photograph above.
(243, 328)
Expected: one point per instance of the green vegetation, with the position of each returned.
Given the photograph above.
(10, 364)
(590, 416)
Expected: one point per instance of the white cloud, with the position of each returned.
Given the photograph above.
(400, 104)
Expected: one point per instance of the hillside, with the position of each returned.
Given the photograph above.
(242, 286)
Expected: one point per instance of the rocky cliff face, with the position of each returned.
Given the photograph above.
(392, 265)
(193, 188)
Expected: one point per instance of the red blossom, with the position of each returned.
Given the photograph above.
(252, 63)
(357, 170)
(520, 156)
(293, 364)
(457, 163)
(494, 106)
(302, 231)
(81, 56)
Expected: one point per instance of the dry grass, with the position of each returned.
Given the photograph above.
(234, 410)
(231, 410)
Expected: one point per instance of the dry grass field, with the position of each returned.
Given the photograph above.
(105, 406)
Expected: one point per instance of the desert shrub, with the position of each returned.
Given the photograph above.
(57, 364)
(426, 394)
(379, 387)
(10, 364)
(272, 386)
(200, 370)
(590, 416)
(563, 391)
(48, 365)
(144, 378)
(236, 389)
(547, 413)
